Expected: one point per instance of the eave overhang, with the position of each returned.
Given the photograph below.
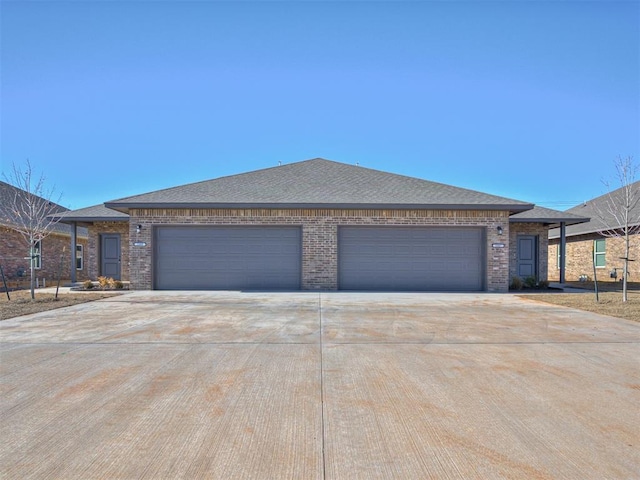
(127, 207)
(550, 221)
(556, 233)
(84, 221)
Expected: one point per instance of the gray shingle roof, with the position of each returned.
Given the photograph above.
(318, 183)
(547, 215)
(594, 209)
(8, 194)
(95, 213)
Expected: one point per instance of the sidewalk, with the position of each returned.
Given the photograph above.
(568, 289)
(68, 289)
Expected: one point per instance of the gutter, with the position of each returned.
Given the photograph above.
(512, 208)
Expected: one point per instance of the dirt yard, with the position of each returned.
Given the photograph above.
(610, 303)
(21, 303)
(610, 299)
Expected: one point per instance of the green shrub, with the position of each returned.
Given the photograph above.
(118, 285)
(530, 282)
(88, 285)
(516, 283)
(543, 284)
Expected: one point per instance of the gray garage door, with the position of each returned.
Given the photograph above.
(411, 258)
(227, 258)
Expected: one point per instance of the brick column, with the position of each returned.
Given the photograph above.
(319, 255)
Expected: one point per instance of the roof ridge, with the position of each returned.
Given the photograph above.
(191, 184)
(316, 181)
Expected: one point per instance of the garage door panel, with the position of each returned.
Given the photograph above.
(290, 249)
(227, 257)
(402, 250)
(411, 258)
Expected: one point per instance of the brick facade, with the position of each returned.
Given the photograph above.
(14, 248)
(579, 257)
(319, 236)
(541, 232)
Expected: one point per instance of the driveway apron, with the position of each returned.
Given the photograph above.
(307, 385)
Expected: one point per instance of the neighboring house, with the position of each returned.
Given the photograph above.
(585, 244)
(316, 225)
(53, 253)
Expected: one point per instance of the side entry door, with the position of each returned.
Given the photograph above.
(527, 256)
(110, 255)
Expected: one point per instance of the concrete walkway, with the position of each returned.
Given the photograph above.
(192, 385)
(568, 288)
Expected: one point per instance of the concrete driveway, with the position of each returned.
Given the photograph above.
(222, 385)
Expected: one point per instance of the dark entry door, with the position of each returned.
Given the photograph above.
(527, 256)
(110, 250)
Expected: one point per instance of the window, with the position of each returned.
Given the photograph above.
(566, 248)
(599, 252)
(37, 255)
(79, 257)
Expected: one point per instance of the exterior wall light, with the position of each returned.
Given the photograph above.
(499, 230)
(138, 228)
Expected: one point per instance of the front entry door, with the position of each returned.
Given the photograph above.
(110, 249)
(527, 256)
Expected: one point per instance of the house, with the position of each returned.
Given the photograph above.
(55, 255)
(316, 225)
(586, 245)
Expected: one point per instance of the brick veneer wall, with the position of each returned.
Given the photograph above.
(319, 236)
(540, 231)
(579, 257)
(14, 248)
(93, 257)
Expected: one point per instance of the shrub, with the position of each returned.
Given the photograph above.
(516, 283)
(543, 284)
(87, 285)
(530, 282)
(103, 282)
(118, 285)
(111, 283)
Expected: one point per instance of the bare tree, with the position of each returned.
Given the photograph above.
(619, 213)
(27, 210)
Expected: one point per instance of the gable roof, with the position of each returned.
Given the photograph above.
(318, 183)
(8, 194)
(548, 216)
(595, 209)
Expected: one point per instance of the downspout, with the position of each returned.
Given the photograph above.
(74, 235)
(563, 251)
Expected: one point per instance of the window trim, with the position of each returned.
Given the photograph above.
(600, 254)
(37, 254)
(80, 250)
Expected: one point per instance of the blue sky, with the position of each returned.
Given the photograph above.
(532, 100)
